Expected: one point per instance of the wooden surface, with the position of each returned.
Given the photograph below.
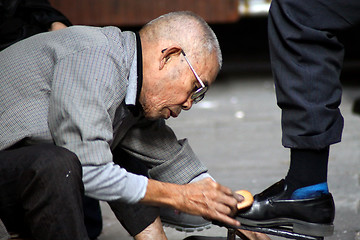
(139, 12)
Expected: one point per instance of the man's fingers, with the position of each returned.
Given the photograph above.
(220, 212)
(228, 198)
(223, 209)
(215, 201)
(238, 197)
(225, 190)
(225, 219)
(230, 203)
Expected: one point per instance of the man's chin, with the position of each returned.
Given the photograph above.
(160, 115)
(150, 116)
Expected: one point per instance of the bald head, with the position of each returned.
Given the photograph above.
(185, 29)
(169, 83)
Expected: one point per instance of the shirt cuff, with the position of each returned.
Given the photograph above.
(201, 177)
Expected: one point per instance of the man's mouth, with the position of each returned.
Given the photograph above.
(173, 114)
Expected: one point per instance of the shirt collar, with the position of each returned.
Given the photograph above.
(135, 80)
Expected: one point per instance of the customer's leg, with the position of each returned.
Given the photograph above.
(41, 190)
(306, 59)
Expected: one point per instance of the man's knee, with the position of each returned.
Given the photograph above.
(53, 156)
(46, 181)
(55, 165)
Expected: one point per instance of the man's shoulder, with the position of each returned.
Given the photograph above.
(125, 40)
(100, 35)
(110, 39)
(83, 36)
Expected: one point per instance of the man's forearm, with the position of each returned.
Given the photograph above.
(162, 194)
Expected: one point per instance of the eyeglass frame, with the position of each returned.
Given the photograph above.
(199, 94)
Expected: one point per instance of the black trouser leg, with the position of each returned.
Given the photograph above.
(306, 58)
(92, 217)
(41, 191)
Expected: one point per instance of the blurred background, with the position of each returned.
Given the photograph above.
(239, 24)
(236, 129)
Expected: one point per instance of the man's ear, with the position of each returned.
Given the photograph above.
(167, 53)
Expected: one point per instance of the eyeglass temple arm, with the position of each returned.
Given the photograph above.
(192, 69)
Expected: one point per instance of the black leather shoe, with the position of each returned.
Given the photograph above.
(274, 208)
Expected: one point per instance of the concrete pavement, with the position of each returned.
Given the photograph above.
(236, 132)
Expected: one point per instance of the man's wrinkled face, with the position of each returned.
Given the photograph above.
(172, 90)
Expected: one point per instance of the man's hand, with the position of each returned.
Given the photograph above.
(205, 198)
(57, 26)
(210, 200)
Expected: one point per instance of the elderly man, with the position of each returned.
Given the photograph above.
(73, 101)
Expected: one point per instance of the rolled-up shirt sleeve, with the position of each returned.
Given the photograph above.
(168, 159)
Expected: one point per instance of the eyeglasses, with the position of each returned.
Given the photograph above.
(199, 94)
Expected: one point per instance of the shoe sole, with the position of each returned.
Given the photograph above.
(187, 229)
(298, 226)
